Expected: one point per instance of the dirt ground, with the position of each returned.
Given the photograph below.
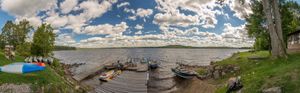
(194, 86)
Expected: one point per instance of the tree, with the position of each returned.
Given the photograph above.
(21, 31)
(277, 48)
(43, 41)
(7, 34)
(256, 29)
(15, 34)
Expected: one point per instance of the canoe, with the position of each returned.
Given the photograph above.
(183, 73)
(21, 68)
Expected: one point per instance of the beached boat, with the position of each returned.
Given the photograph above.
(153, 65)
(21, 68)
(183, 73)
(109, 75)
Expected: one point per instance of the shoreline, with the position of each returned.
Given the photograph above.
(194, 83)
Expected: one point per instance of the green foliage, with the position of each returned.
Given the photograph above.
(15, 34)
(201, 71)
(43, 41)
(7, 33)
(24, 49)
(256, 23)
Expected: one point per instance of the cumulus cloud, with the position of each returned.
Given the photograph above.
(23, 8)
(177, 19)
(123, 4)
(127, 10)
(68, 5)
(65, 39)
(204, 9)
(105, 29)
(190, 37)
(241, 10)
(144, 12)
(139, 27)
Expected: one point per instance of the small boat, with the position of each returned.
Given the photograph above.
(109, 75)
(183, 73)
(21, 68)
(153, 65)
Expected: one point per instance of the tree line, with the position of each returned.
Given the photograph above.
(16, 35)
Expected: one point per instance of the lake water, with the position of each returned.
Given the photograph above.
(166, 56)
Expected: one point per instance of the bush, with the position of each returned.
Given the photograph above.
(202, 71)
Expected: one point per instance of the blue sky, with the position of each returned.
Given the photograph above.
(130, 23)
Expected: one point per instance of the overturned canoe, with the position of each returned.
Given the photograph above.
(21, 68)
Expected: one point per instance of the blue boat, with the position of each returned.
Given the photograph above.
(21, 68)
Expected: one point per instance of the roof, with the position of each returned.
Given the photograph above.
(297, 31)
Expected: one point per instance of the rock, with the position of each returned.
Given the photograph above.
(272, 90)
(234, 84)
(216, 74)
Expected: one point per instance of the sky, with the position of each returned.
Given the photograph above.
(136, 23)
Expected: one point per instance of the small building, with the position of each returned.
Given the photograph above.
(294, 41)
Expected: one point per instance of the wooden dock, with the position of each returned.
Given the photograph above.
(91, 71)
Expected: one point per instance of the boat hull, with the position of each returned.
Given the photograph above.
(182, 75)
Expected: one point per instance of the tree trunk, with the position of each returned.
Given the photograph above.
(282, 47)
(275, 42)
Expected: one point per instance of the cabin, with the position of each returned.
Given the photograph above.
(294, 41)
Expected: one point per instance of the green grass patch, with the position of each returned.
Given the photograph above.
(46, 81)
(261, 74)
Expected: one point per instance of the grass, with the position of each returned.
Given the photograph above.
(265, 73)
(47, 81)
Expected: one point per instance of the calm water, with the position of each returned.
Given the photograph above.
(160, 81)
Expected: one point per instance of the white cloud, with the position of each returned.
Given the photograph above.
(144, 12)
(24, 8)
(190, 37)
(92, 9)
(57, 21)
(123, 4)
(65, 39)
(106, 29)
(139, 27)
(138, 32)
(132, 18)
(241, 10)
(177, 19)
(68, 5)
(127, 10)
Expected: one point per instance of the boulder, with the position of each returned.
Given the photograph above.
(234, 84)
(216, 74)
(273, 90)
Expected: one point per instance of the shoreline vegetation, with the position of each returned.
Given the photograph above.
(258, 72)
(59, 48)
